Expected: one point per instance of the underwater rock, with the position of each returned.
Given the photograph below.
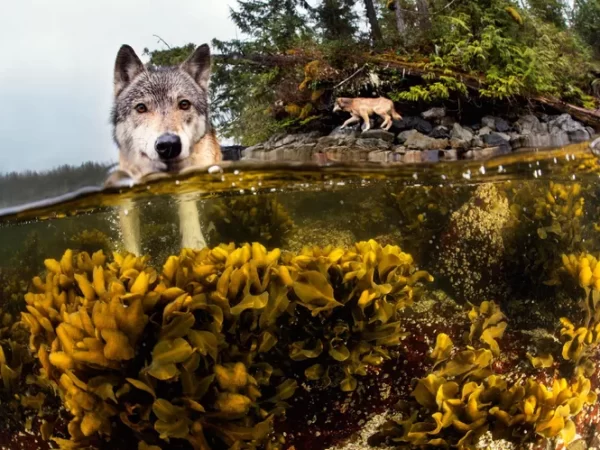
(472, 247)
(378, 134)
(434, 113)
(440, 132)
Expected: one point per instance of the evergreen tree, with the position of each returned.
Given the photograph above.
(553, 11)
(335, 19)
(272, 24)
(586, 21)
(373, 22)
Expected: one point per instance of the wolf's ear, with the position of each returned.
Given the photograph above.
(198, 65)
(127, 67)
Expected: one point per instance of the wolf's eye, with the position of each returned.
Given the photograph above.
(185, 105)
(141, 108)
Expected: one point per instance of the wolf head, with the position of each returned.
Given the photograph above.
(160, 114)
(341, 103)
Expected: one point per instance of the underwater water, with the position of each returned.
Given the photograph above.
(334, 307)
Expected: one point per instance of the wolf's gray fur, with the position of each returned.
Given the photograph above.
(161, 123)
(160, 91)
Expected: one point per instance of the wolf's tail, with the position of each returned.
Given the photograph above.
(395, 114)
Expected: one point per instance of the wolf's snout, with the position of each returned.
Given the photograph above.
(168, 146)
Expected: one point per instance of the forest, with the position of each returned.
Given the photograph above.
(294, 56)
(23, 187)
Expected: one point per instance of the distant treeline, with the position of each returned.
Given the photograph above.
(24, 187)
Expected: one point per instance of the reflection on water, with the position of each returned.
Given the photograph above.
(334, 307)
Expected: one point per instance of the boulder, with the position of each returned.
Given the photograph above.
(459, 144)
(379, 156)
(440, 132)
(344, 132)
(431, 156)
(434, 113)
(448, 121)
(477, 141)
(530, 141)
(404, 135)
(564, 122)
(591, 131)
(494, 139)
(378, 134)
(488, 152)
(559, 139)
(411, 157)
(373, 144)
(579, 135)
(502, 125)
(461, 133)
(495, 123)
(449, 155)
(299, 152)
(489, 121)
(413, 123)
(484, 130)
(333, 141)
(529, 124)
(414, 140)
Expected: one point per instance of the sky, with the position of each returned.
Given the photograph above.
(56, 70)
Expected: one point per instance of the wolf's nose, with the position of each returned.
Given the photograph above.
(168, 146)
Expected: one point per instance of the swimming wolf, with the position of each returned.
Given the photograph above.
(363, 108)
(161, 123)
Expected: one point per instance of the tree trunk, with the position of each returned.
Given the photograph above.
(423, 9)
(400, 22)
(372, 16)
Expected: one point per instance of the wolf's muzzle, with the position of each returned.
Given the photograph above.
(168, 146)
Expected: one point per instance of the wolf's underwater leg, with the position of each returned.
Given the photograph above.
(129, 220)
(189, 225)
(350, 121)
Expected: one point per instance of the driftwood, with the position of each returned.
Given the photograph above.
(473, 82)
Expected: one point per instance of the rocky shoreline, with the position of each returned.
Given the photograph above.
(431, 137)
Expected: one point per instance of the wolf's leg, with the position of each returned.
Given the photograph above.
(350, 121)
(387, 123)
(189, 225)
(367, 120)
(129, 220)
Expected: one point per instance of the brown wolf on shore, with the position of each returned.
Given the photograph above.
(363, 108)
